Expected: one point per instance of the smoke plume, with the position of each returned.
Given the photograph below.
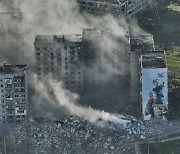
(55, 93)
(21, 21)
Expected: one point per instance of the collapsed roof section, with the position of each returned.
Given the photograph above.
(142, 42)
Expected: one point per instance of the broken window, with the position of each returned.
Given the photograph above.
(83, 3)
(8, 96)
(20, 111)
(65, 47)
(123, 7)
(129, 3)
(7, 80)
(71, 48)
(18, 78)
(8, 86)
(72, 82)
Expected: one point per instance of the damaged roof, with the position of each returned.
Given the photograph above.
(58, 38)
(153, 59)
(143, 42)
(9, 69)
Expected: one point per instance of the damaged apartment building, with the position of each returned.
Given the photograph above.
(148, 74)
(154, 80)
(13, 93)
(83, 61)
(59, 56)
(118, 8)
(68, 57)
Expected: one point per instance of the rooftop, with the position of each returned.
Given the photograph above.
(58, 38)
(153, 59)
(143, 42)
(9, 69)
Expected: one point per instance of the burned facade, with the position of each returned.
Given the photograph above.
(59, 56)
(139, 43)
(118, 8)
(13, 93)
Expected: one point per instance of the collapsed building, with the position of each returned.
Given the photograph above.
(13, 93)
(118, 8)
(112, 76)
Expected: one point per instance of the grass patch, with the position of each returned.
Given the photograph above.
(172, 147)
(173, 60)
(163, 22)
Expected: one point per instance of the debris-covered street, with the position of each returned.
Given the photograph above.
(74, 135)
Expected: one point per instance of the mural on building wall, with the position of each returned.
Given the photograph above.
(154, 93)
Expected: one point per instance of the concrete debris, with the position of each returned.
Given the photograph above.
(75, 135)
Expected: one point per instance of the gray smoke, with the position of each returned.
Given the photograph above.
(55, 93)
(111, 50)
(21, 21)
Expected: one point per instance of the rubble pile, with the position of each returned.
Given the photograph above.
(75, 135)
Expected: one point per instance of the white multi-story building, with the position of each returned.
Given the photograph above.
(60, 56)
(13, 93)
